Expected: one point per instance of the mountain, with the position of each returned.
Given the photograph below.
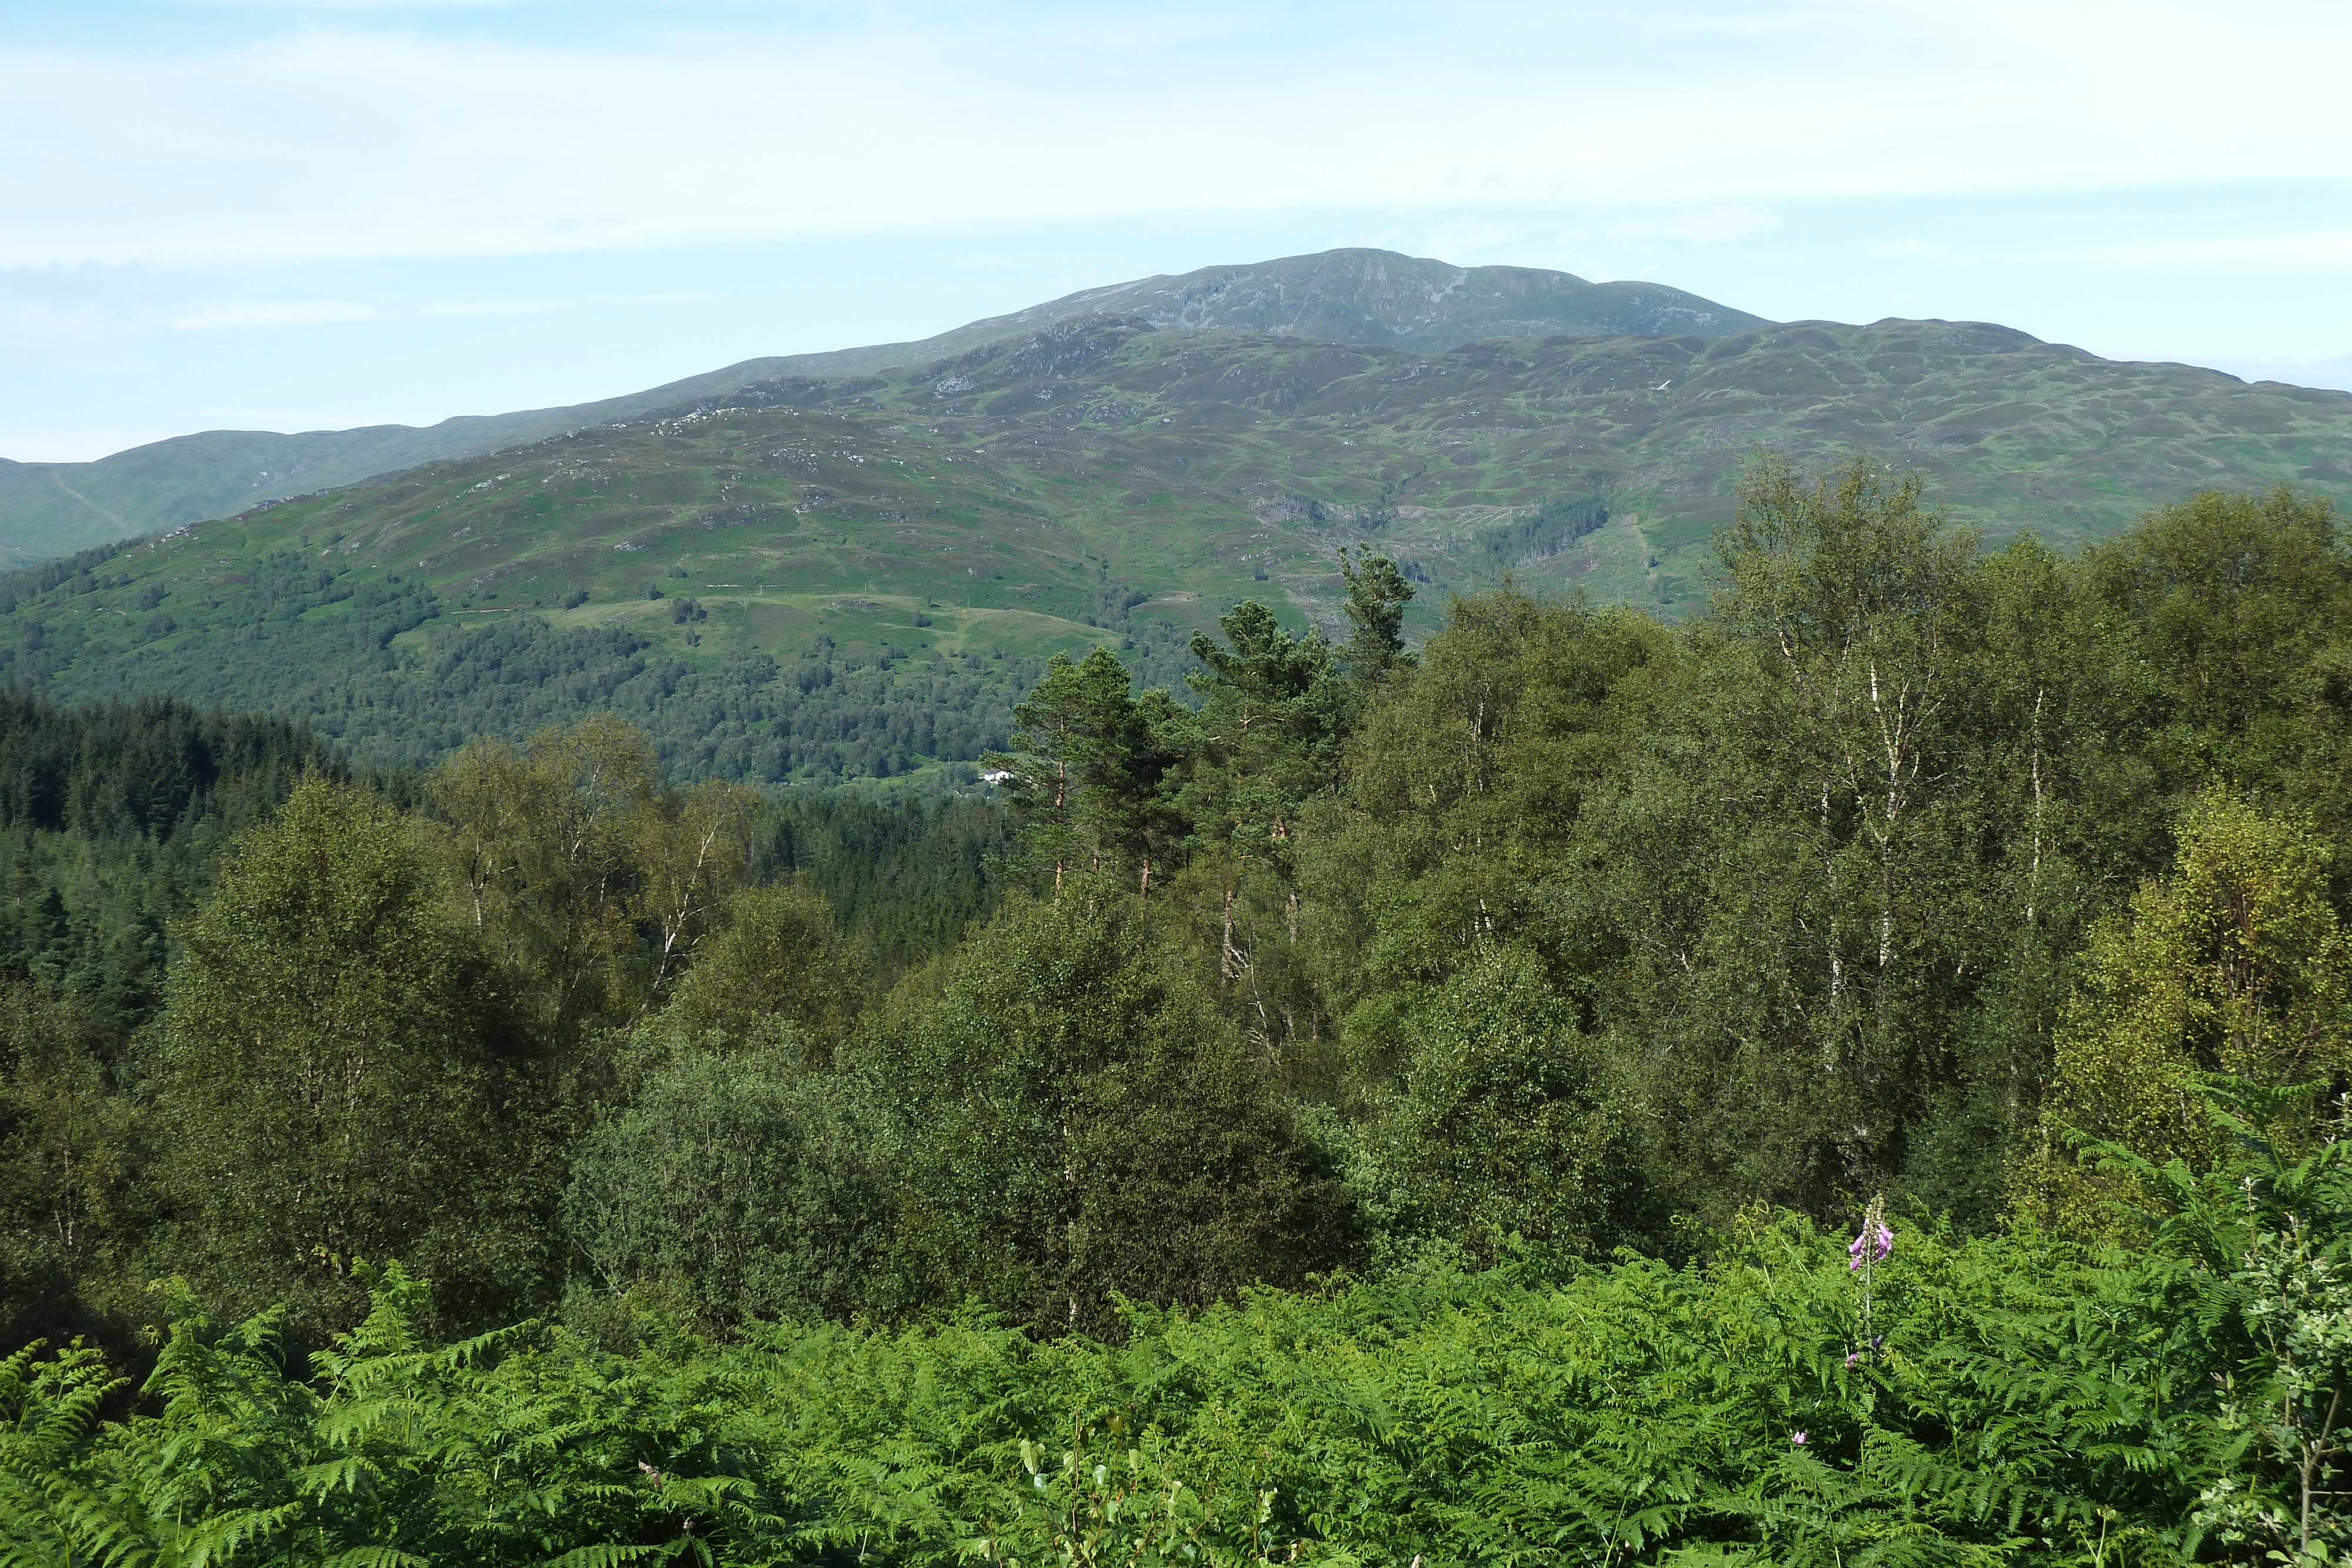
(49, 509)
(1369, 296)
(826, 576)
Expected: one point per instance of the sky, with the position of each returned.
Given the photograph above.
(292, 215)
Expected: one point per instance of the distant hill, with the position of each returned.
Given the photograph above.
(49, 509)
(854, 575)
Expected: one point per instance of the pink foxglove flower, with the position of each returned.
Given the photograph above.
(1798, 1438)
(1873, 1245)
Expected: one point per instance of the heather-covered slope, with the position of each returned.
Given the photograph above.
(829, 575)
(50, 509)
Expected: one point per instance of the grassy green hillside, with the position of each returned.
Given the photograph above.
(52, 509)
(815, 577)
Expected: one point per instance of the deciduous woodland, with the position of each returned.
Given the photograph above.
(1855, 1078)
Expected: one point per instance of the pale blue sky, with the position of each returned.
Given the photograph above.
(288, 215)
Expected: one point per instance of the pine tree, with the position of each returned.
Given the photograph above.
(1376, 595)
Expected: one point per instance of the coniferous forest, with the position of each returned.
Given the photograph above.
(1857, 1077)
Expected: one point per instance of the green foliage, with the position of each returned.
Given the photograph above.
(400, 1453)
(2010, 1401)
(1816, 867)
(2235, 965)
(342, 1078)
(1507, 1122)
(1071, 1123)
(592, 881)
(774, 955)
(2005, 885)
(1266, 735)
(1377, 596)
(111, 818)
(77, 572)
(1473, 776)
(70, 1212)
(1556, 524)
(582, 879)
(904, 880)
(1089, 766)
(2298, 1306)
(2236, 604)
(381, 668)
(736, 1184)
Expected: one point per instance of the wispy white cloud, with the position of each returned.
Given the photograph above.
(272, 313)
(461, 309)
(1470, 239)
(346, 205)
(83, 321)
(2325, 252)
(1708, 225)
(330, 312)
(349, 137)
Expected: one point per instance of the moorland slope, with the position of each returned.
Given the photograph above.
(855, 575)
(51, 509)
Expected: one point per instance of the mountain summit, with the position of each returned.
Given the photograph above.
(1366, 296)
(1373, 297)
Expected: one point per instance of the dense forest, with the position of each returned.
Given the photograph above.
(1858, 1076)
(380, 668)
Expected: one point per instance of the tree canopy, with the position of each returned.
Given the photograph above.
(1857, 1076)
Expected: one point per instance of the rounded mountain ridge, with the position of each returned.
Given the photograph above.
(1382, 296)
